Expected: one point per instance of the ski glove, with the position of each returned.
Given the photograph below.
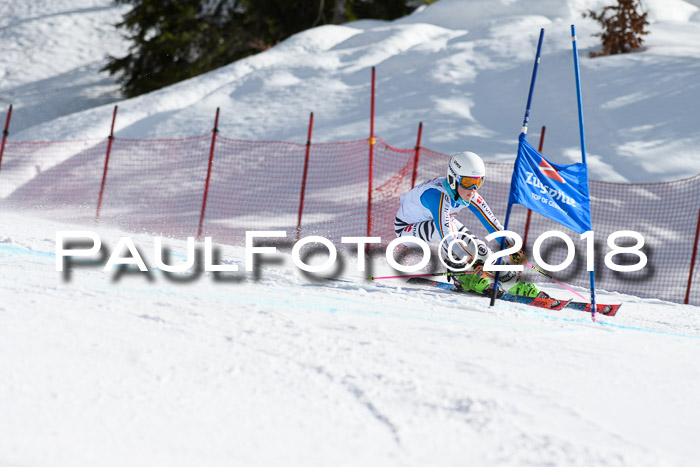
(518, 258)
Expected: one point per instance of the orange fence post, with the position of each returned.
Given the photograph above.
(5, 133)
(692, 260)
(303, 178)
(416, 157)
(211, 164)
(371, 158)
(104, 172)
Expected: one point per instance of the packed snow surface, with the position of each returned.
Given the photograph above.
(275, 367)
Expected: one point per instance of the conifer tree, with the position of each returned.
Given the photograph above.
(623, 25)
(172, 40)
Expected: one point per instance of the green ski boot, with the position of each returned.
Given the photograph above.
(472, 283)
(477, 281)
(525, 289)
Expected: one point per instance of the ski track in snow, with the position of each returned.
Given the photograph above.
(151, 369)
(319, 293)
(373, 373)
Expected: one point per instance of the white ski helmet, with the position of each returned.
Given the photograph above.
(466, 169)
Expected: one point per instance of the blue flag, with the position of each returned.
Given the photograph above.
(559, 192)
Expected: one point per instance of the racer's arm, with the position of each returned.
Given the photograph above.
(483, 212)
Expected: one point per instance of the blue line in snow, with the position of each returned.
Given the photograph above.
(615, 325)
(653, 331)
(16, 250)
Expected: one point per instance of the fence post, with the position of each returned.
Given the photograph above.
(371, 157)
(211, 163)
(416, 157)
(5, 133)
(303, 178)
(529, 213)
(692, 260)
(104, 172)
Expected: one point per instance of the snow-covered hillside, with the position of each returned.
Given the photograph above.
(52, 54)
(460, 67)
(282, 368)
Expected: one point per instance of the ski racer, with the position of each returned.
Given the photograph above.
(428, 212)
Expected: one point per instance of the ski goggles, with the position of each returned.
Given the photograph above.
(471, 182)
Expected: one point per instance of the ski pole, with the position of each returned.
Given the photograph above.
(546, 274)
(372, 278)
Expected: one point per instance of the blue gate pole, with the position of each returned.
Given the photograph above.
(523, 132)
(532, 83)
(583, 145)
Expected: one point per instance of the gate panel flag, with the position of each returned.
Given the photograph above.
(559, 192)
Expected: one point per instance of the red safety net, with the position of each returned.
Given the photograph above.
(158, 187)
(60, 178)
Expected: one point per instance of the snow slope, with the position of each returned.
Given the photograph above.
(52, 54)
(136, 369)
(278, 368)
(462, 68)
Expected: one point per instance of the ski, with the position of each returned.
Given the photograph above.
(540, 302)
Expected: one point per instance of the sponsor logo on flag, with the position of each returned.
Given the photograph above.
(553, 192)
(549, 171)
